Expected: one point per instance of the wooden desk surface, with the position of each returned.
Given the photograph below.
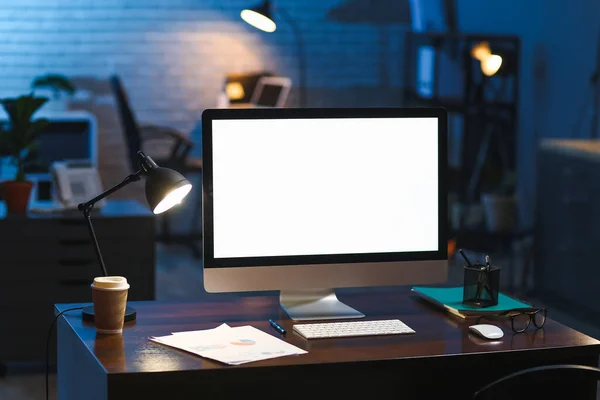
(437, 334)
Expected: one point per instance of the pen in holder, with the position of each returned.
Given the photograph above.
(482, 284)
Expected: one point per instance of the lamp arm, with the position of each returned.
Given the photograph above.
(86, 215)
(301, 53)
(90, 204)
(87, 207)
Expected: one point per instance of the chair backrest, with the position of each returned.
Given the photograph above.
(129, 125)
(523, 385)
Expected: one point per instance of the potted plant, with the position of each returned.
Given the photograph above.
(17, 140)
(499, 200)
(56, 87)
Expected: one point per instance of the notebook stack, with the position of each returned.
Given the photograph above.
(451, 299)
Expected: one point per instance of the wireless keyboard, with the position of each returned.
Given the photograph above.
(352, 329)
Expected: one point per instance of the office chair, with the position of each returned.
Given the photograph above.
(177, 158)
(527, 384)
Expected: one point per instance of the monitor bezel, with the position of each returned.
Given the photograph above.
(307, 113)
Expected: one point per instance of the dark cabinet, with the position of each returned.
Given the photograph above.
(49, 258)
(567, 267)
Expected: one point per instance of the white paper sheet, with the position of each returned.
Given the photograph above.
(233, 346)
(218, 328)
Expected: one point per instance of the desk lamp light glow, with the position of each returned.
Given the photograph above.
(165, 189)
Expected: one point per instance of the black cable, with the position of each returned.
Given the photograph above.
(48, 346)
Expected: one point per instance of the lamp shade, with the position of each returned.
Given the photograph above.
(165, 188)
(260, 17)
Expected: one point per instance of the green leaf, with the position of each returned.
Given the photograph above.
(21, 109)
(54, 82)
(21, 133)
(20, 176)
(8, 144)
(34, 130)
(34, 146)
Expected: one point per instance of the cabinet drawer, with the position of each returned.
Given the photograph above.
(24, 342)
(122, 228)
(38, 295)
(17, 230)
(55, 250)
(75, 268)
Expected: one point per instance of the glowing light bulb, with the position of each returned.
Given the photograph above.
(490, 65)
(172, 199)
(234, 90)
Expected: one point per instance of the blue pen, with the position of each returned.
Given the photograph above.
(277, 327)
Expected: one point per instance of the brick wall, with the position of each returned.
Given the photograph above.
(172, 56)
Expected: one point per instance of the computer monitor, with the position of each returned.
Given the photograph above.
(68, 135)
(308, 200)
(271, 91)
(66, 139)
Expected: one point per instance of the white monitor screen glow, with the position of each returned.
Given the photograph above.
(297, 187)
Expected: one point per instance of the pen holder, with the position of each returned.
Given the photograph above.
(481, 286)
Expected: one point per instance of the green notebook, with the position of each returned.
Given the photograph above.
(451, 299)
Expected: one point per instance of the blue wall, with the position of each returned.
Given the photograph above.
(173, 55)
(559, 45)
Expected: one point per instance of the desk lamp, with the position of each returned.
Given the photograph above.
(165, 188)
(262, 17)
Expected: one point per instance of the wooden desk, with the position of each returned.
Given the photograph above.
(49, 258)
(441, 359)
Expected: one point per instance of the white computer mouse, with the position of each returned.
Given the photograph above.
(487, 331)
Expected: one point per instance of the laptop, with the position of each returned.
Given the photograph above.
(270, 91)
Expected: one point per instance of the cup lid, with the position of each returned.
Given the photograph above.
(110, 282)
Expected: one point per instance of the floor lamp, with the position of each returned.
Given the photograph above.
(262, 17)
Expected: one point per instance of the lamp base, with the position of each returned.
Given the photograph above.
(88, 314)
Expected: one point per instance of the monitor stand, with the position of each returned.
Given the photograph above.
(313, 305)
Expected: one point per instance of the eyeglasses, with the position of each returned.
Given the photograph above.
(520, 319)
(528, 338)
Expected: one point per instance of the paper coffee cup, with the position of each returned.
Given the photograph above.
(109, 294)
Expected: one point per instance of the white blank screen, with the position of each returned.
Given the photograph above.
(290, 187)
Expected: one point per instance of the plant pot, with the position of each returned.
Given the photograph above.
(16, 196)
(500, 212)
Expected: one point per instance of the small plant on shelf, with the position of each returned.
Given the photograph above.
(57, 84)
(18, 140)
